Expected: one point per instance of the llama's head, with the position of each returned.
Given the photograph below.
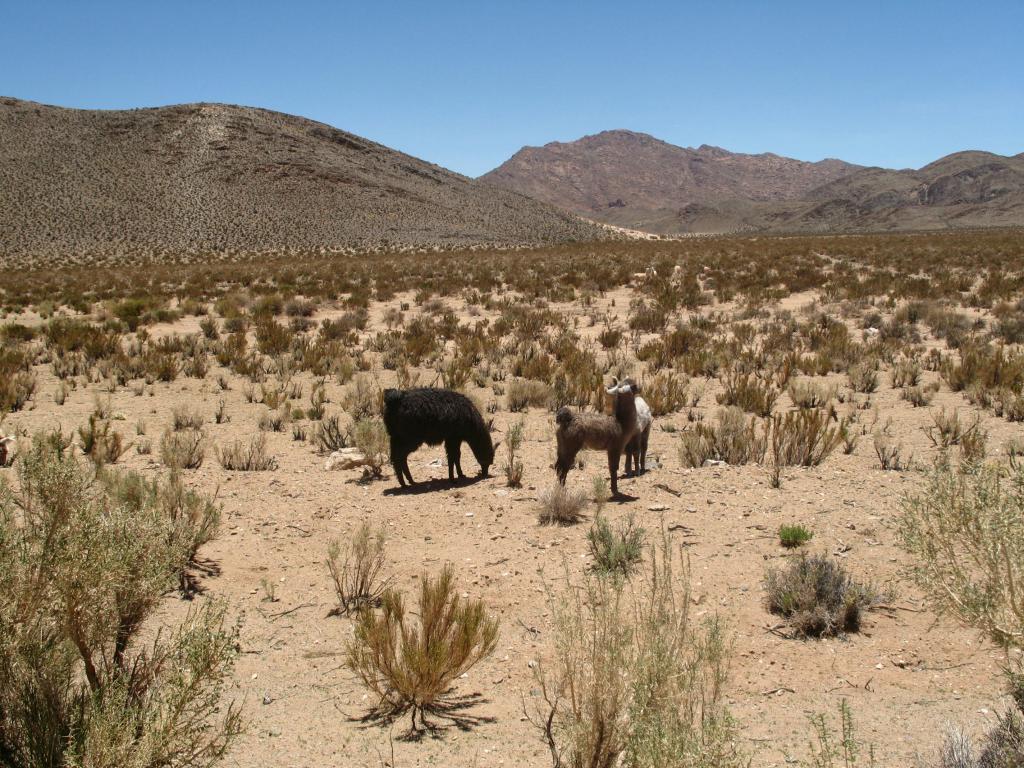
(623, 399)
(484, 449)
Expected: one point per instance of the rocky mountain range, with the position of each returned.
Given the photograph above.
(637, 181)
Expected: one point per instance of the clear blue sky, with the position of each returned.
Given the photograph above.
(466, 84)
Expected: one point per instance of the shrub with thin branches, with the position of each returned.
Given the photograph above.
(890, 453)
(752, 394)
(100, 442)
(967, 533)
(371, 438)
(524, 393)
(734, 439)
(238, 457)
(665, 393)
(810, 394)
(183, 450)
(80, 573)
(616, 550)
(356, 569)
(328, 435)
(634, 680)
(513, 466)
(803, 438)
(412, 667)
(863, 377)
(183, 417)
(947, 429)
(363, 398)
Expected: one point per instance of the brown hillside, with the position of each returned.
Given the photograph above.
(210, 177)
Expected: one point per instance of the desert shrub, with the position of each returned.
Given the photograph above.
(523, 393)
(817, 597)
(238, 457)
(966, 530)
(832, 750)
(919, 396)
(890, 453)
(183, 450)
(615, 550)
(610, 337)
(371, 438)
(863, 377)
(973, 446)
(81, 571)
(734, 440)
(906, 373)
(412, 667)
(16, 389)
(100, 442)
(194, 517)
(328, 435)
(947, 429)
(356, 569)
(317, 402)
(665, 393)
(810, 394)
(748, 392)
(513, 466)
(803, 438)
(271, 421)
(183, 417)
(794, 535)
(561, 506)
(363, 398)
(634, 681)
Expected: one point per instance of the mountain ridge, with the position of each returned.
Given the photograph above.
(634, 180)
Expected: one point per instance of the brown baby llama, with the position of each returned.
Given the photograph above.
(598, 432)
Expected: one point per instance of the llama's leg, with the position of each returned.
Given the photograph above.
(397, 462)
(613, 470)
(562, 466)
(457, 450)
(451, 450)
(643, 452)
(405, 469)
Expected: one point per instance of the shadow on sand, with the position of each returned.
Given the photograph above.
(430, 486)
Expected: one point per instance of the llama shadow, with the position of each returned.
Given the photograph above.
(446, 714)
(432, 486)
(622, 498)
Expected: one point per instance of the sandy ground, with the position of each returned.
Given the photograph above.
(907, 674)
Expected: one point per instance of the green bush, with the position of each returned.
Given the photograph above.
(82, 569)
(616, 551)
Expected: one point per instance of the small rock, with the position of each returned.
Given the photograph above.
(658, 507)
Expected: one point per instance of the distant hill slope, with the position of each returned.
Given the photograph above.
(636, 181)
(197, 178)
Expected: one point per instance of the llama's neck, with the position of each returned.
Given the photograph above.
(625, 409)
